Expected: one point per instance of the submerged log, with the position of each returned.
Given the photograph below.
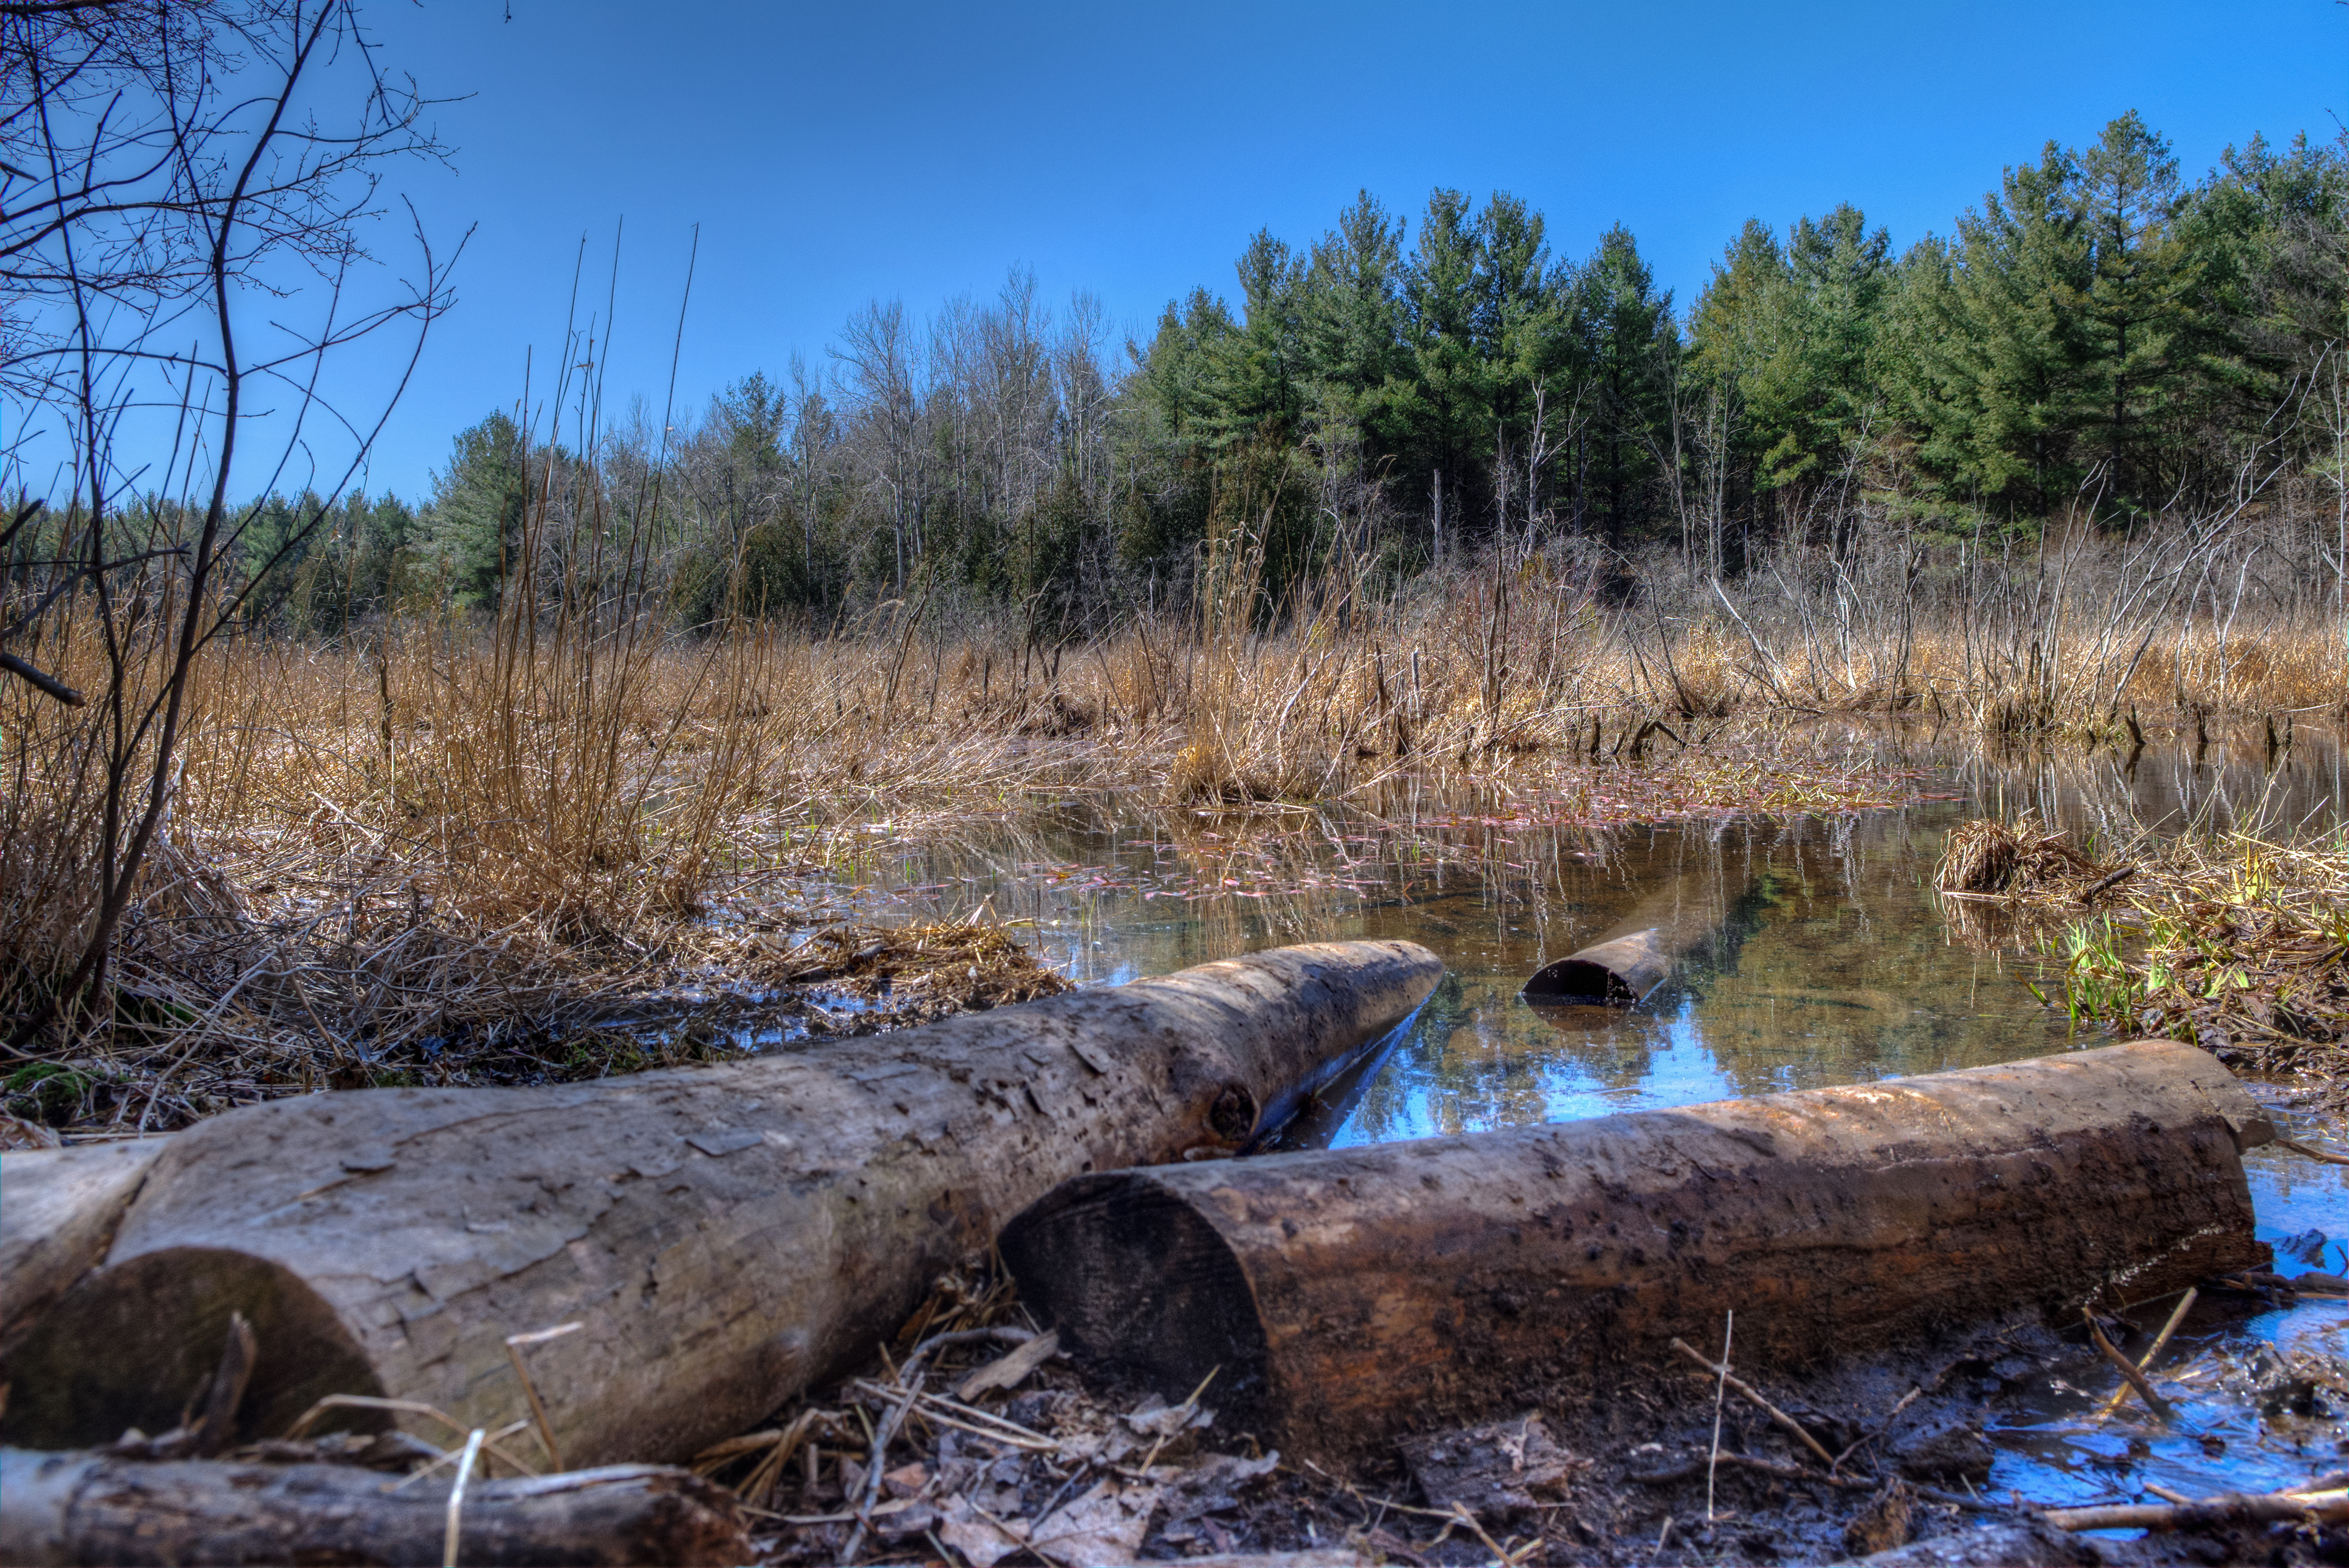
(727, 1235)
(96, 1508)
(1688, 916)
(1347, 1295)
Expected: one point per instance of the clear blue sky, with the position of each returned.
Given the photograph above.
(839, 153)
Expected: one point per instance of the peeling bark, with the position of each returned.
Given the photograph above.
(1349, 1294)
(727, 1235)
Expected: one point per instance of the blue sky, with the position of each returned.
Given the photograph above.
(836, 154)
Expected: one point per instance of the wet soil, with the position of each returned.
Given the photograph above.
(1650, 1464)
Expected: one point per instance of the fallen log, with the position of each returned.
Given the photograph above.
(58, 1210)
(2208, 1512)
(73, 1508)
(1688, 916)
(725, 1235)
(1347, 1295)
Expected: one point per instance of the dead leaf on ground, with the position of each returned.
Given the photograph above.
(982, 1540)
(1154, 1418)
(1103, 1526)
(1006, 1371)
(1500, 1472)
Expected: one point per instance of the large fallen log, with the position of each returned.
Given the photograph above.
(725, 1235)
(1347, 1295)
(80, 1507)
(58, 1210)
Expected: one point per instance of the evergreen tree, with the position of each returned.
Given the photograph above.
(479, 503)
(2140, 314)
(1630, 343)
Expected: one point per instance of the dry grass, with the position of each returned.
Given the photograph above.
(2237, 943)
(2234, 942)
(448, 853)
(1986, 859)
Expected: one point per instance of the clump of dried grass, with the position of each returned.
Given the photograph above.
(923, 969)
(2238, 945)
(2016, 861)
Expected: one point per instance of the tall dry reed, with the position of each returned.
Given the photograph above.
(454, 831)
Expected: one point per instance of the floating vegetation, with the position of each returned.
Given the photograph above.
(922, 971)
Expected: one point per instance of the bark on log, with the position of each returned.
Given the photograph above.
(1347, 1294)
(1640, 953)
(727, 1235)
(58, 1210)
(78, 1508)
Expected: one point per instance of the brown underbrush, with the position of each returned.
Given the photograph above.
(444, 851)
(2018, 862)
(2234, 942)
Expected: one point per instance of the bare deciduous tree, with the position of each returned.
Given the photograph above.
(187, 189)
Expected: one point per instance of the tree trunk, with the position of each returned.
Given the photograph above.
(727, 1235)
(1349, 1294)
(58, 1210)
(58, 1509)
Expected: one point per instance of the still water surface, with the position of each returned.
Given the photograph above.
(1828, 959)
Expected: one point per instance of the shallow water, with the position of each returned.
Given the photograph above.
(1828, 959)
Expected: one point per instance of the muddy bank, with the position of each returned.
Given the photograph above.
(1062, 1467)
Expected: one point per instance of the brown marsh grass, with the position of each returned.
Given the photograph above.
(386, 857)
(2237, 941)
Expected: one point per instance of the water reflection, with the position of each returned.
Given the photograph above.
(1826, 959)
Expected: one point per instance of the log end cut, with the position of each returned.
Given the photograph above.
(1081, 1251)
(130, 1345)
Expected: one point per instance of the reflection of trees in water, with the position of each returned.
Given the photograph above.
(1831, 958)
(1477, 1057)
(1826, 961)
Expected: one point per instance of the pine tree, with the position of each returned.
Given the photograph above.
(479, 503)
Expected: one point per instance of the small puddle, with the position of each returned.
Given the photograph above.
(1829, 960)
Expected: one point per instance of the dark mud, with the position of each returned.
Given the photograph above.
(1627, 1470)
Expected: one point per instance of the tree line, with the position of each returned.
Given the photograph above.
(2098, 343)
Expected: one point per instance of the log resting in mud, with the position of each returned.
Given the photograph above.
(94, 1508)
(1347, 1294)
(727, 1235)
(58, 1210)
(1641, 950)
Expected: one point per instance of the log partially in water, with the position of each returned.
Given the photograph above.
(75, 1508)
(1349, 1294)
(1689, 915)
(727, 1235)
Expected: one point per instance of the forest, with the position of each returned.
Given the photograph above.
(2100, 344)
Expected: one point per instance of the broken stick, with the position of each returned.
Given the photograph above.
(2137, 1379)
(1721, 1370)
(2228, 1508)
